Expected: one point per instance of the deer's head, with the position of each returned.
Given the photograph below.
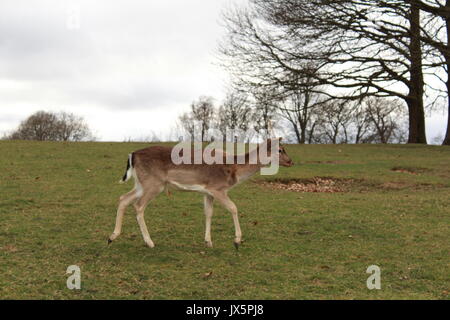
(283, 158)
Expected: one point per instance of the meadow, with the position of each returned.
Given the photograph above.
(390, 208)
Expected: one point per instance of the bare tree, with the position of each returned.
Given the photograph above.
(234, 113)
(336, 117)
(203, 112)
(385, 118)
(264, 112)
(313, 129)
(299, 105)
(361, 123)
(48, 126)
(201, 115)
(361, 48)
(71, 127)
(39, 126)
(186, 124)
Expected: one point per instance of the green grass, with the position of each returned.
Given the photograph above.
(58, 205)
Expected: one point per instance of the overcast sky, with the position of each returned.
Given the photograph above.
(129, 67)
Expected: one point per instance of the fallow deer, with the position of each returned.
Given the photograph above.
(154, 171)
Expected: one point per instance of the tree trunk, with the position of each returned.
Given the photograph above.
(297, 132)
(302, 125)
(417, 132)
(359, 134)
(311, 133)
(446, 141)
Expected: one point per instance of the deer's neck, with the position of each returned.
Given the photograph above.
(249, 168)
(245, 171)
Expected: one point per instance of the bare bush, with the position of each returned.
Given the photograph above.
(48, 126)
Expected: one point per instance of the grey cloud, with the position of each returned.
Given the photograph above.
(132, 97)
(125, 55)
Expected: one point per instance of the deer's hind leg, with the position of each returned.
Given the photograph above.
(150, 191)
(208, 203)
(124, 202)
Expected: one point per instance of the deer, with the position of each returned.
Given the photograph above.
(154, 171)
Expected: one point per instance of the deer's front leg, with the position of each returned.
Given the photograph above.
(230, 206)
(208, 201)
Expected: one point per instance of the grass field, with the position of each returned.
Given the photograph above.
(58, 205)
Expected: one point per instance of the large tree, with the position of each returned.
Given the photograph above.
(360, 48)
(435, 34)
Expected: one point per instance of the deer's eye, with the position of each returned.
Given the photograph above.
(280, 151)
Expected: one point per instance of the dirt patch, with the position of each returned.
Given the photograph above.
(409, 170)
(316, 184)
(340, 185)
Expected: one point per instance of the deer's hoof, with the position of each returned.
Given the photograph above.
(208, 244)
(237, 244)
(113, 237)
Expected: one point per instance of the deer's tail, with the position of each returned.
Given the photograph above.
(128, 172)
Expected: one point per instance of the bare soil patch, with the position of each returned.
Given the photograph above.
(316, 184)
(409, 170)
(335, 185)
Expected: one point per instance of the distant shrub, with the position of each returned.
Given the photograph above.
(48, 126)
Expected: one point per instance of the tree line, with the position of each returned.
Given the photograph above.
(316, 120)
(374, 120)
(347, 51)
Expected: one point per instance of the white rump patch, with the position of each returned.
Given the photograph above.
(129, 171)
(137, 184)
